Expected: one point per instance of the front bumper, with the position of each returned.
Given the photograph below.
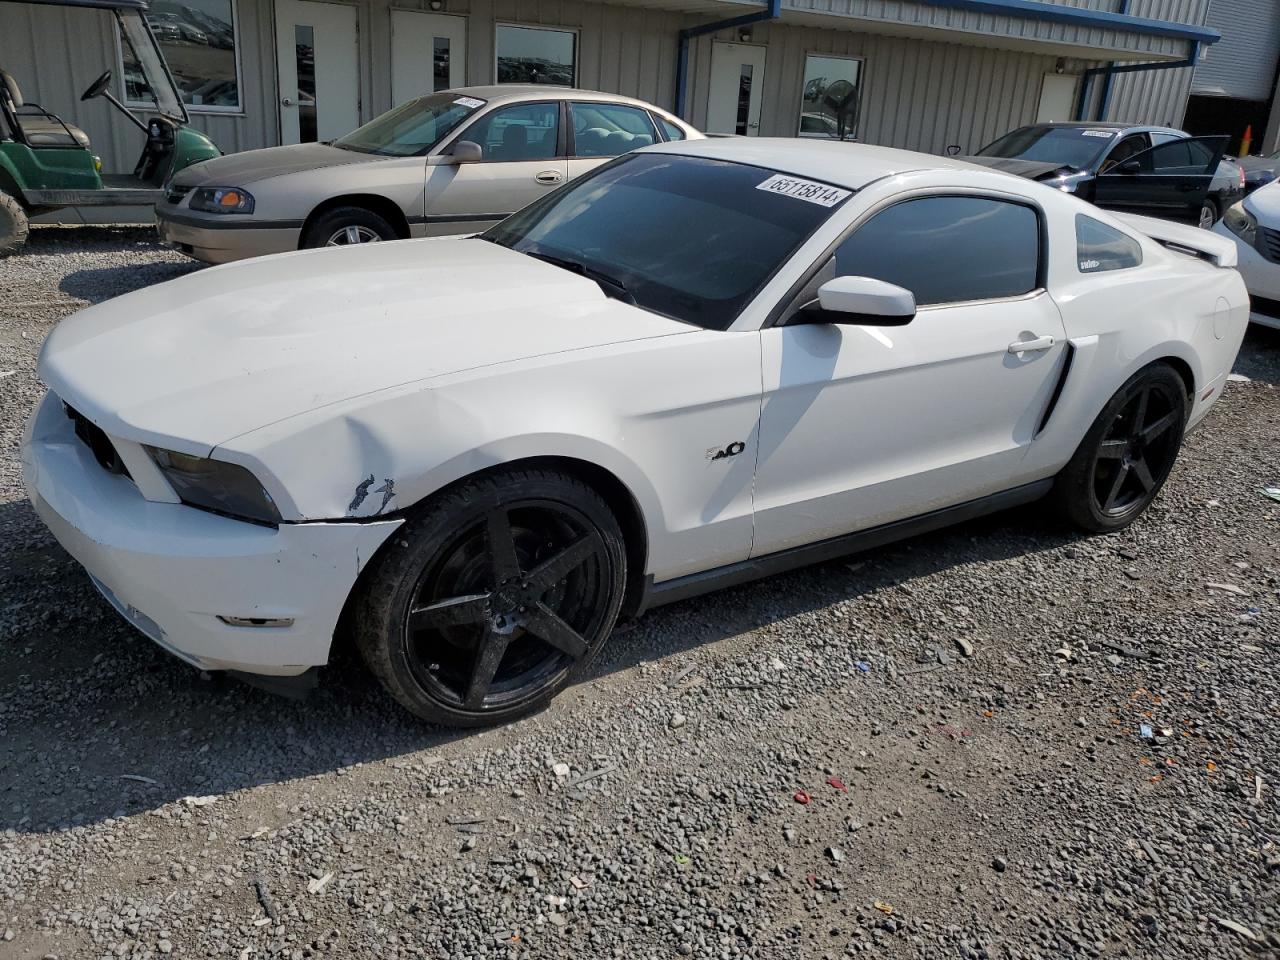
(173, 570)
(214, 239)
(1261, 276)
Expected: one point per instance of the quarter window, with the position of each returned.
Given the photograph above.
(948, 249)
(199, 43)
(609, 129)
(669, 129)
(525, 131)
(535, 55)
(1100, 247)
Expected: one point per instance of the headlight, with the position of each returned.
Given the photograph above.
(1241, 222)
(216, 485)
(221, 200)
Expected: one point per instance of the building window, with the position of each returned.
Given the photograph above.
(831, 98)
(198, 40)
(535, 55)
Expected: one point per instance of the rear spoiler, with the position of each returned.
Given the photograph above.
(1181, 238)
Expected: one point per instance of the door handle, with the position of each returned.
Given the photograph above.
(549, 176)
(1027, 346)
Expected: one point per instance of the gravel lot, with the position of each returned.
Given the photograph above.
(963, 713)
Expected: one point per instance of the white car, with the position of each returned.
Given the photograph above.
(702, 363)
(1254, 225)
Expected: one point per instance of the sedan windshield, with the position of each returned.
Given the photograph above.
(686, 237)
(1070, 146)
(412, 128)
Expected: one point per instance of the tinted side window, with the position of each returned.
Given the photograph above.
(669, 129)
(609, 129)
(1099, 247)
(1179, 157)
(526, 131)
(1126, 148)
(948, 249)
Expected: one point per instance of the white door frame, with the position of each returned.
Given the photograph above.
(757, 87)
(279, 11)
(457, 57)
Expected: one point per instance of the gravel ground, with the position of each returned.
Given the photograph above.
(962, 713)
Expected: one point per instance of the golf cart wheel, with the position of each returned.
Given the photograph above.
(1208, 215)
(13, 225)
(343, 226)
(493, 598)
(1127, 454)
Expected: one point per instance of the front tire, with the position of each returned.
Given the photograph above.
(343, 226)
(493, 598)
(1126, 456)
(13, 225)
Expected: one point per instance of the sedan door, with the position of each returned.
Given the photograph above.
(1170, 180)
(522, 159)
(863, 425)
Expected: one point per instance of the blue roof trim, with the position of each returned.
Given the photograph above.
(1080, 17)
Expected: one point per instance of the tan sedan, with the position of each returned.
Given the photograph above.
(448, 163)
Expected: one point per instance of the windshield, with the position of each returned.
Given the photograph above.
(686, 237)
(412, 128)
(146, 75)
(1070, 146)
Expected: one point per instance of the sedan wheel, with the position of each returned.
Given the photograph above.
(352, 234)
(494, 598)
(1127, 454)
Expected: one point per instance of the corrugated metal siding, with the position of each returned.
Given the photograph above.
(1155, 96)
(916, 95)
(1243, 63)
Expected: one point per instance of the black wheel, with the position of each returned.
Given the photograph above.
(1127, 454)
(493, 598)
(13, 225)
(1208, 215)
(346, 225)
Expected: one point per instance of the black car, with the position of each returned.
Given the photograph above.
(1259, 171)
(1156, 171)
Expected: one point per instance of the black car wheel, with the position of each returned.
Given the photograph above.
(1127, 454)
(494, 597)
(346, 225)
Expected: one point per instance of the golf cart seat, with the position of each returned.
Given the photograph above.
(39, 127)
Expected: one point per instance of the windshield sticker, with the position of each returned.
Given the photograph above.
(807, 190)
(471, 102)
(1107, 134)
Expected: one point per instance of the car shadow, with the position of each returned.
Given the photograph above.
(96, 284)
(103, 283)
(98, 722)
(1259, 357)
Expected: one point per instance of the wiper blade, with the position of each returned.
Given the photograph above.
(611, 286)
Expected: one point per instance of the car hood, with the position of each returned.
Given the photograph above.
(197, 361)
(1031, 169)
(242, 169)
(1264, 203)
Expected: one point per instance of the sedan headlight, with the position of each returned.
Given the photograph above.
(216, 485)
(1242, 223)
(221, 200)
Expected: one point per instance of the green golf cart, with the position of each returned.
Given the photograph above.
(47, 163)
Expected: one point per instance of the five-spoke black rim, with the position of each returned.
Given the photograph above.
(1138, 449)
(508, 606)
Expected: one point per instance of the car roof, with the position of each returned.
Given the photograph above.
(497, 93)
(842, 163)
(1107, 125)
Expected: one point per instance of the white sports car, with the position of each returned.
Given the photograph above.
(704, 362)
(1254, 225)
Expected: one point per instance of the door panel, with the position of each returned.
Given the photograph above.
(428, 53)
(1057, 97)
(1170, 180)
(318, 70)
(865, 425)
(737, 88)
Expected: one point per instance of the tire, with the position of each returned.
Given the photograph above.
(13, 225)
(1208, 215)
(329, 228)
(457, 631)
(1126, 456)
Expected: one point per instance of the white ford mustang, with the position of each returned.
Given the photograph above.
(702, 363)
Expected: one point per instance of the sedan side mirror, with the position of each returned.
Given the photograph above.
(862, 301)
(1129, 167)
(953, 150)
(466, 151)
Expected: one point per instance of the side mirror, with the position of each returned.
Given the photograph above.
(466, 151)
(862, 301)
(953, 150)
(1129, 167)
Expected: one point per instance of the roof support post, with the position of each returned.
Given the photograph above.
(1082, 103)
(772, 12)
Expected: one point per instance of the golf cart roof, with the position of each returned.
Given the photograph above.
(100, 4)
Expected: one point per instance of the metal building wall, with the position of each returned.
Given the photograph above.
(1156, 96)
(1243, 63)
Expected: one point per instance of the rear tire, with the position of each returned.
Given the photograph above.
(1126, 456)
(493, 598)
(343, 226)
(14, 227)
